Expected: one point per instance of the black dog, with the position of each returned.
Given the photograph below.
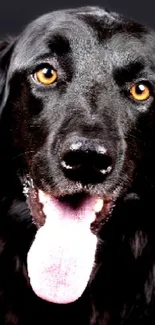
(77, 152)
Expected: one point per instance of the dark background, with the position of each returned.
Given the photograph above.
(15, 14)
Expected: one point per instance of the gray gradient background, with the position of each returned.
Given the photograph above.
(15, 14)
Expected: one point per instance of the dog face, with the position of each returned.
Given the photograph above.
(96, 70)
(78, 95)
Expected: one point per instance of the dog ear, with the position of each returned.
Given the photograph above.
(6, 47)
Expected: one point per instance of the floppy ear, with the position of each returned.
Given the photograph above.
(6, 47)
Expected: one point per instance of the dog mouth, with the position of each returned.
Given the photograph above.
(62, 255)
(41, 205)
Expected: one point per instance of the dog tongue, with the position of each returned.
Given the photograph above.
(62, 254)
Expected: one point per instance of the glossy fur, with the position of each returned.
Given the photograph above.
(98, 56)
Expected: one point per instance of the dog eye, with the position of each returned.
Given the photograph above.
(46, 76)
(140, 91)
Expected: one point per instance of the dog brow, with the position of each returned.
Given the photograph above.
(128, 73)
(59, 44)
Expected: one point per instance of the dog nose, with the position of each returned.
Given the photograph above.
(85, 159)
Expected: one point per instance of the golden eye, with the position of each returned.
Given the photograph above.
(46, 76)
(140, 91)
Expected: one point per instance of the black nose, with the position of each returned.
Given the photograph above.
(83, 159)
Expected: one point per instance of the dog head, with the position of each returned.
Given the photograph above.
(77, 101)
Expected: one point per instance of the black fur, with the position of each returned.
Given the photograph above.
(98, 56)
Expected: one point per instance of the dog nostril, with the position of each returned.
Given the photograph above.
(84, 160)
(73, 159)
(102, 163)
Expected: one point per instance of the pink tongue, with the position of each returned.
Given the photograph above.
(62, 255)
